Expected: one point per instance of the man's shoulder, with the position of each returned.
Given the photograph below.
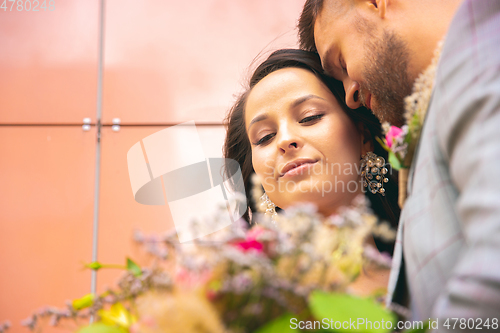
(472, 38)
(468, 71)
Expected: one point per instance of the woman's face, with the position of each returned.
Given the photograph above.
(304, 146)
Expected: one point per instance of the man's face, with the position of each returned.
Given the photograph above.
(372, 65)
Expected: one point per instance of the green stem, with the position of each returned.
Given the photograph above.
(114, 266)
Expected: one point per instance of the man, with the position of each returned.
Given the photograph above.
(450, 224)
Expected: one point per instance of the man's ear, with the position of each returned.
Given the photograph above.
(376, 6)
(366, 139)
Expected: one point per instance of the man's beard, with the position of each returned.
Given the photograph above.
(387, 77)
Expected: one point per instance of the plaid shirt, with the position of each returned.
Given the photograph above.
(449, 232)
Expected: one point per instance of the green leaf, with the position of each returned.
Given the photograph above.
(94, 265)
(102, 328)
(394, 161)
(353, 314)
(84, 302)
(383, 144)
(215, 285)
(133, 268)
(281, 324)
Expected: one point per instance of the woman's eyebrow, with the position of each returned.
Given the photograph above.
(257, 119)
(302, 99)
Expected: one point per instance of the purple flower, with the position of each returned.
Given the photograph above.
(30, 322)
(382, 259)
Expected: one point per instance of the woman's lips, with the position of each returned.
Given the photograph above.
(300, 169)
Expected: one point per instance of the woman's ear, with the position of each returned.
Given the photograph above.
(366, 139)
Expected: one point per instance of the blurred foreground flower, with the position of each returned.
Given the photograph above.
(176, 312)
(243, 279)
(4, 326)
(117, 315)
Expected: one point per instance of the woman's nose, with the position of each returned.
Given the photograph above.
(352, 98)
(287, 140)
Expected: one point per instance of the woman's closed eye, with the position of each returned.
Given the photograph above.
(264, 139)
(310, 119)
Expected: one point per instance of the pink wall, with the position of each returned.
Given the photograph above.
(165, 62)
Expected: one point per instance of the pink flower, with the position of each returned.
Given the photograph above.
(191, 279)
(393, 134)
(255, 232)
(250, 244)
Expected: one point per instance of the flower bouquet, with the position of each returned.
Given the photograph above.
(297, 270)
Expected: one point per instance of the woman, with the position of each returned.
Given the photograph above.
(292, 127)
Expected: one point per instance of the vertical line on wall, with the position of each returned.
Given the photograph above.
(93, 286)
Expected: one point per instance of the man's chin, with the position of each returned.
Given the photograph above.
(387, 114)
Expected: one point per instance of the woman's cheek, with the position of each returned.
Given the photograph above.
(351, 139)
(259, 163)
(264, 168)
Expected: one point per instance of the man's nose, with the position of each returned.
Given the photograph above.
(352, 98)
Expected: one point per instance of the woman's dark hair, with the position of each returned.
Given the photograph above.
(237, 145)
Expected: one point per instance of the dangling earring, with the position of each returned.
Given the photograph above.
(268, 207)
(373, 173)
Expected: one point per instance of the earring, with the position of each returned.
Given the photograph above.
(268, 207)
(373, 173)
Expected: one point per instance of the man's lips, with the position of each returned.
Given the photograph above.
(296, 167)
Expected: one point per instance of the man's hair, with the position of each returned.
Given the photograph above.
(310, 13)
(306, 24)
